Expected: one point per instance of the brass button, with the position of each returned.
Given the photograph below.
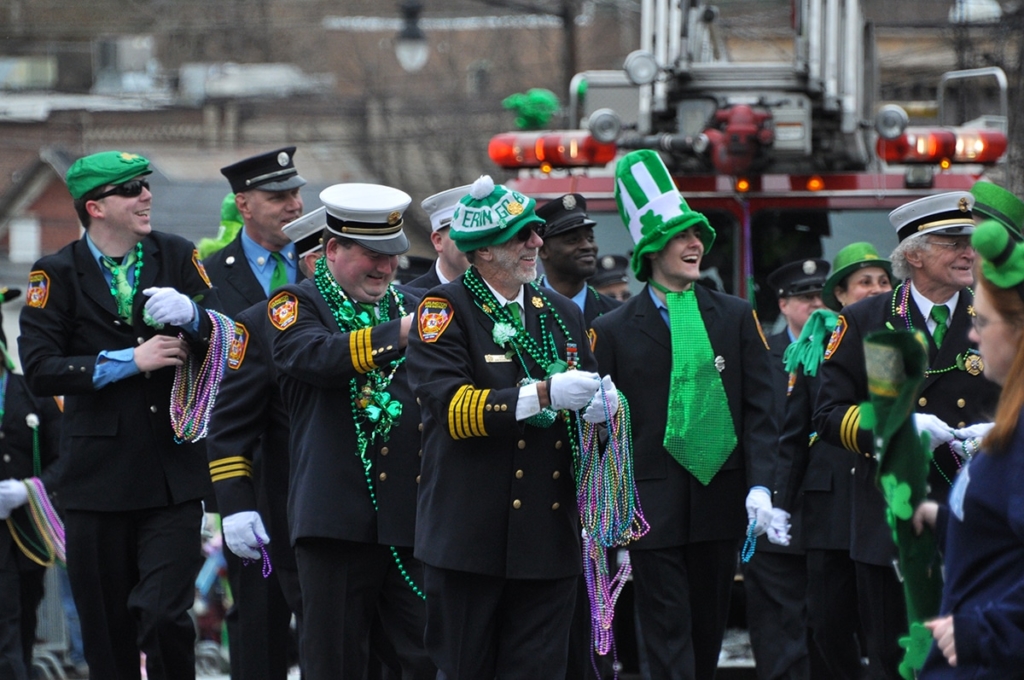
(420, 453)
(373, 353)
(153, 409)
(418, 400)
(517, 504)
(384, 450)
(71, 368)
(417, 479)
(558, 444)
(141, 340)
(504, 407)
(922, 402)
(556, 474)
(555, 506)
(519, 474)
(117, 322)
(521, 444)
(420, 427)
(961, 425)
(853, 471)
(961, 403)
(7, 458)
(82, 369)
(391, 347)
(867, 455)
(383, 476)
(487, 407)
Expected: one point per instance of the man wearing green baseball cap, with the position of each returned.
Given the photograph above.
(497, 525)
(108, 319)
(693, 364)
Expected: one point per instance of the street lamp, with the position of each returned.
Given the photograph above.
(411, 46)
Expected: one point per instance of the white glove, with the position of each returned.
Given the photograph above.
(973, 431)
(596, 412)
(759, 509)
(934, 427)
(167, 305)
(572, 389)
(778, 527)
(240, 531)
(13, 494)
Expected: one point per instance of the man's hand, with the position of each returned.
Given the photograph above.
(599, 408)
(759, 509)
(935, 427)
(160, 351)
(942, 631)
(573, 389)
(925, 514)
(13, 494)
(778, 527)
(240, 532)
(167, 305)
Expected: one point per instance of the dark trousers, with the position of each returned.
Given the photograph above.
(584, 663)
(776, 589)
(258, 622)
(832, 612)
(682, 601)
(344, 586)
(21, 591)
(133, 577)
(883, 616)
(494, 627)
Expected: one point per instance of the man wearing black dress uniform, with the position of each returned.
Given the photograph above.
(131, 493)
(935, 259)
(339, 343)
(451, 262)
(260, 259)
(569, 254)
(250, 417)
(697, 450)
(612, 277)
(497, 524)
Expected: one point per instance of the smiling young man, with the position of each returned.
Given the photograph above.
(131, 493)
(935, 259)
(693, 364)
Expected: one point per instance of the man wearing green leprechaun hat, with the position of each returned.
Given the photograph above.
(497, 525)
(694, 366)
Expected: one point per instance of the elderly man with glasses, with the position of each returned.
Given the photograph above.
(935, 259)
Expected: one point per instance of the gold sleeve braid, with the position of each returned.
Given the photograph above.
(466, 413)
(849, 428)
(233, 466)
(361, 347)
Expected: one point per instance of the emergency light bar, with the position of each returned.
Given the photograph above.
(547, 150)
(943, 146)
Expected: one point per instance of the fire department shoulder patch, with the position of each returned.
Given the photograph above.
(760, 331)
(200, 268)
(236, 353)
(837, 337)
(283, 310)
(434, 316)
(38, 289)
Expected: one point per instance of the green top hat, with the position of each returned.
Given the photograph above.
(490, 215)
(992, 202)
(848, 260)
(1002, 257)
(652, 208)
(100, 169)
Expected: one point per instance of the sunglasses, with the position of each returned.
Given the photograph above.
(524, 234)
(128, 189)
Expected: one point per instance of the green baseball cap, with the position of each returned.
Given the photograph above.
(992, 202)
(100, 169)
(1002, 256)
(851, 258)
(491, 214)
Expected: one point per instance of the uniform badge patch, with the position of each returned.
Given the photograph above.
(236, 352)
(38, 289)
(200, 268)
(760, 331)
(434, 316)
(837, 337)
(283, 310)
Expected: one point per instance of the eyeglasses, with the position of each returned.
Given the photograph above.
(524, 234)
(957, 246)
(980, 322)
(128, 189)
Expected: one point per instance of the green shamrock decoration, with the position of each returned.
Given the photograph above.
(916, 645)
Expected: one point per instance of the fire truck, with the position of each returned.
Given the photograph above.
(787, 160)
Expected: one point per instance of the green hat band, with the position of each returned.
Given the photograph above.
(1002, 257)
(100, 169)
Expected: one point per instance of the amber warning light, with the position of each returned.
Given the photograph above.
(943, 146)
(547, 150)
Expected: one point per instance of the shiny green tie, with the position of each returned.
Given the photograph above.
(280, 276)
(119, 287)
(517, 316)
(371, 310)
(699, 432)
(940, 313)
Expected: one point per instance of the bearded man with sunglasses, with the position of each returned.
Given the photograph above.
(108, 318)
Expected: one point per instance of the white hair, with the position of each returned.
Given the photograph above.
(901, 269)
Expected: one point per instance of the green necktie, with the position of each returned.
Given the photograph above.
(122, 292)
(370, 309)
(699, 432)
(513, 309)
(940, 313)
(280, 276)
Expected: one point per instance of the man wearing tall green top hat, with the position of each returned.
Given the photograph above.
(992, 202)
(498, 364)
(107, 320)
(694, 365)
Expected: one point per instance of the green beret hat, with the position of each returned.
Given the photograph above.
(1002, 257)
(106, 167)
(652, 208)
(490, 215)
(992, 202)
(855, 256)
